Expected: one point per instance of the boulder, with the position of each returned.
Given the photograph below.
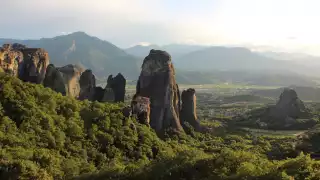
(188, 109)
(87, 85)
(288, 106)
(118, 85)
(34, 65)
(141, 109)
(157, 82)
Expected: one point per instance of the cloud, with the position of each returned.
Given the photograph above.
(143, 44)
(126, 22)
(64, 33)
(292, 38)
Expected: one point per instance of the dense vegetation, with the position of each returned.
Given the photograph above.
(44, 135)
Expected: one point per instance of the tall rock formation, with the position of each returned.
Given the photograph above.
(34, 65)
(68, 75)
(188, 109)
(157, 82)
(118, 85)
(87, 85)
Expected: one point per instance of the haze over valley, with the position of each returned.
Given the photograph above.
(197, 64)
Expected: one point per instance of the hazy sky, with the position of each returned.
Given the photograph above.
(290, 24)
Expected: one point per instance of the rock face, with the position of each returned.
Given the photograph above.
(71, 76)
(18, 46)
(87, 85)
(63, 79)
(127, 111)
(10, 59)
(289, 106)
(98, 94)
(34, 65)
(157, 82)
(118, 85)
(54, 80)
(188, 110)
(108, 95)
(141, 109)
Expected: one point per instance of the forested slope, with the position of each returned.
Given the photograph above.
(44, 135)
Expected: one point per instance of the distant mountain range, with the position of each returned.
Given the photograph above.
(175, 50)
(101, 56)
(208, 58)
(196, 64)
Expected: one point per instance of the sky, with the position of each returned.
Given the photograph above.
(288, 25)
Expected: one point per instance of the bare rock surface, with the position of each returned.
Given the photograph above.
(188, 108)
(157, 82)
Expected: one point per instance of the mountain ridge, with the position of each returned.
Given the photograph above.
(101, 56)
(105, 58)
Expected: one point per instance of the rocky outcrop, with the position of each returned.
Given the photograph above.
(188, 109)
(71, 76)
(288, 107)
(157, 82)
(127, 111)
(87, 85)
(63, 79)
(118, 85)
(289, 113)
(54, 80)
(18, 46)
(103, 95)
(10, 59)
(34, 65)
(108, 95)
(98, 94)
(141, 109)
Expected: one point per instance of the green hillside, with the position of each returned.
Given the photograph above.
(44, 135)
(250, 77)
